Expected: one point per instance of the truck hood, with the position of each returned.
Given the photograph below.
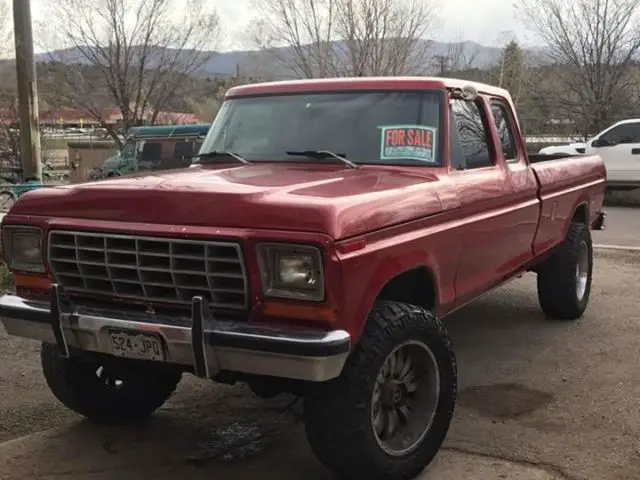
(570, 148)
(326, 199)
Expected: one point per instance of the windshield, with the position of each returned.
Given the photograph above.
(364, 127)
(128, 149)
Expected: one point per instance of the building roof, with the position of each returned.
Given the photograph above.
(63, 116)
(169, 130)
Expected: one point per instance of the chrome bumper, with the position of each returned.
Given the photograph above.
(201, 343)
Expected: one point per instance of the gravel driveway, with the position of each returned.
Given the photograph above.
(561, 396)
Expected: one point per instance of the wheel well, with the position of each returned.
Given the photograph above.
(416, 287)
(580, 214)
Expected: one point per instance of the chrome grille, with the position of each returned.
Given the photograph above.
(149, 269)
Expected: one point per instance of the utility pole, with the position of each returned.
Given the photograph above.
(27, 92)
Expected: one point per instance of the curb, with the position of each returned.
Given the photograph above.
(616, 247)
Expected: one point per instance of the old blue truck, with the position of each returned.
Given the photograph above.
(152, 148)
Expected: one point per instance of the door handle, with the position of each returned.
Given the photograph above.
(635, 151)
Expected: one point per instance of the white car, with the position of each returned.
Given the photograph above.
(619, 148)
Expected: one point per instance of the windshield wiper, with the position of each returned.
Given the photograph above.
(323, 154)
(223, 153)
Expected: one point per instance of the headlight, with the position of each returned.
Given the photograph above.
(291, 271)
(22, 248)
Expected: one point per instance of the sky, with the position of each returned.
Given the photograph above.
(460, 19)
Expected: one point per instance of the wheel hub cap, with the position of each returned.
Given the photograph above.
(394, 394)
(405, 398)
(582, 271)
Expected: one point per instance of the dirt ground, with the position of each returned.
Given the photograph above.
(559, 396)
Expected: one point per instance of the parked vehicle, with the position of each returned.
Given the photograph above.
(315, 246)
(619, 148)
(154, 148)
(12, 186)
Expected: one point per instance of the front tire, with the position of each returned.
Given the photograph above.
(388, 413)
(564, 280)
(106, 394)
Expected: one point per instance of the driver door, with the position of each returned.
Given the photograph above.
(619, 148)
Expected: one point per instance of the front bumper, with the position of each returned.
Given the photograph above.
(201, 344)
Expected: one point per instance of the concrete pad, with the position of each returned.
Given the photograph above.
(622, 228)
(454, 465)
(159, 451)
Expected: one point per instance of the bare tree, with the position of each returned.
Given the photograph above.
(6, 28)
(593, 46)
(9, 118)
(326, 38)
(206, 107)
(262, 61)
(457, 58)
(9, 134)
(133, 55)
(512, 70)
(10, 148)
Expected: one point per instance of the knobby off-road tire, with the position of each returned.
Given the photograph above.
(102, 394)
(564, 280)
(342, 416)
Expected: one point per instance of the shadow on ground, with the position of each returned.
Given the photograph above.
(237, 435)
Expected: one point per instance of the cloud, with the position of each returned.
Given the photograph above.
(460, 19)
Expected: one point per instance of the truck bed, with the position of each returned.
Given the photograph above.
(541, 157)
(564, 182)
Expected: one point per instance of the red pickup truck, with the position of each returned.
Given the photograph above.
(315, 246)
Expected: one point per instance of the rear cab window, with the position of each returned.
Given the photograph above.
(470, 143)
(366, 127)
(505, 127)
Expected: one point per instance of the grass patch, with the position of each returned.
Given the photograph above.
(622, 198)
(6, 280)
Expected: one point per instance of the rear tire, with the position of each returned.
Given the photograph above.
(104, 394)
(387, 414)
(564, 280)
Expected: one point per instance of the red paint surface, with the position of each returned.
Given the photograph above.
(471, 230)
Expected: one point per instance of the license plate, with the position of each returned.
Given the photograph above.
(143, 346)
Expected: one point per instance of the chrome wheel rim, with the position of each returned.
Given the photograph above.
(405, 398)
(582, 271)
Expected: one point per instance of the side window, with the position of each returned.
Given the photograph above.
(472, 137)
(184, 152)
(505, 131)
(183, 149)
(150, 155)
(128, 149)
(625, 133)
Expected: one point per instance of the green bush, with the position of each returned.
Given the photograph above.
(6, 280)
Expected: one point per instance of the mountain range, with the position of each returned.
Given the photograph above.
(223, 64)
